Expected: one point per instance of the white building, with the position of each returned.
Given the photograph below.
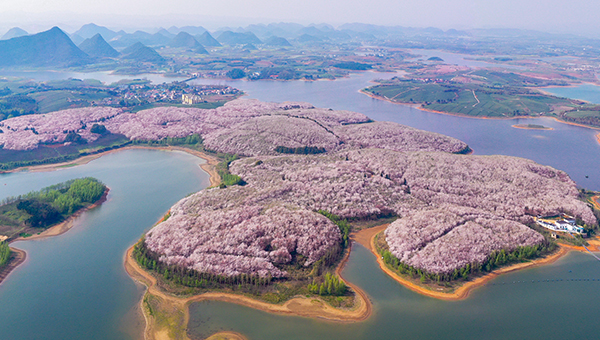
(563, 223)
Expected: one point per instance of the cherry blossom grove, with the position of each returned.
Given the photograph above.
(27, 132)
(453, 209)
(245, 127)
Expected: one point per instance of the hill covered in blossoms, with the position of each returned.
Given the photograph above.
(452, 209)
(244, 127)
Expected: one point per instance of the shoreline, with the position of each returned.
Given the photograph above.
(55, 230)
(298, 306)
(420, 107)
(19, 259)
(367, 239)
(594, 199)
(210, 160)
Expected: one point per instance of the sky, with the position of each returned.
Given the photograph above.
(557, 16)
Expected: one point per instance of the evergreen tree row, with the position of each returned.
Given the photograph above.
(191, 278)
(4, 254)
(331, 285)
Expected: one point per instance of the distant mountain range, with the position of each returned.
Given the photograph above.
(50, 48)
(97, 47)
(14, 32)
(235, 38)
(90, 30)
(186, 40)
(142, 53)
(277, 42)
(207, 40)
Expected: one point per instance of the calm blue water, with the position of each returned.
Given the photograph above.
(460, 59)
(587, 92)
(500, 310)
(74, 286)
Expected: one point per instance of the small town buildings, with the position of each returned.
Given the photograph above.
(190, 99)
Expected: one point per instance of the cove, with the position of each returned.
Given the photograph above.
(74, 286)
(500, 310)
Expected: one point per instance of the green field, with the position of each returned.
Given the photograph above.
(470, 99)
(50, 101)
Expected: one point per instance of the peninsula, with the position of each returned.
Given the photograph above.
(44, 213)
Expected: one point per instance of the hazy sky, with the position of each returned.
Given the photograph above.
(572, 16)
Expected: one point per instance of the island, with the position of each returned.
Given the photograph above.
(484, 93)
(44, 213)
(531, 127)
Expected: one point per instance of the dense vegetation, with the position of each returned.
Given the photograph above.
(192, 278)
(227, 178)
(351, 65)
(342, 223)
(331, 285)
(16, 105)
(303, 150)
(586, 116)
(11, 159)
(4, 254)
(44, 208)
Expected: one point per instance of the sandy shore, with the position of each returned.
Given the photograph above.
(227, 336)
(298, 306)
(55, 230)
(595, 201)
(366, 237)
(19, 258)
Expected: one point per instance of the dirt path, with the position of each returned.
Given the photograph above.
(477, 99)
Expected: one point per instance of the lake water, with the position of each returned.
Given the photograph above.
(587, 92)
(460, 59)
(74, 286)
(500, 310)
